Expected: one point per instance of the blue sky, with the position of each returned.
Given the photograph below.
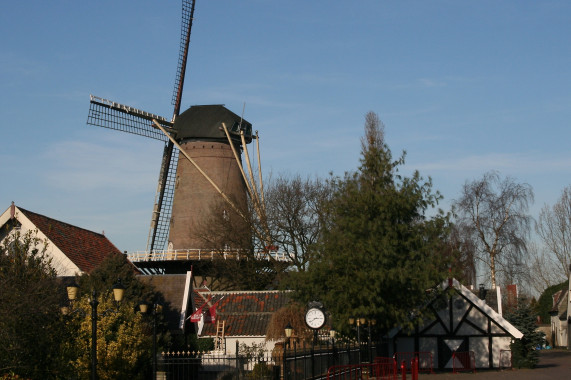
(464, 87)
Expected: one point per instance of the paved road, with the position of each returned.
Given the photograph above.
(553, 364)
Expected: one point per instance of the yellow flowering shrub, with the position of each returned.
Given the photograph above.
(123, 340)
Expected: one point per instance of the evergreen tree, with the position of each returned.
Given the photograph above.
(379, 252)
(545, 302)
(524, 350)
(31, 324)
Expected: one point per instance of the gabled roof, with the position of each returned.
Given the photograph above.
(560, 304)
(174, 288)
(468, 295)
(74, 248)
(246, 313)
(481, 304)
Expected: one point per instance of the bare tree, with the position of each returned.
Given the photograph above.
(464, 255)
(294, 215)
(241, 258)
(543, 270)
(554, 228)
(493, 212)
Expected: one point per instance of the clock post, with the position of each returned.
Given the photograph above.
(314, 319)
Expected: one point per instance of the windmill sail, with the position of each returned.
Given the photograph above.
(207, 149)
(107, 114)
(186, 27)
(162, 210)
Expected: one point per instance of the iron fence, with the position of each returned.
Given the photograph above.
(217, 366)
(293, 363)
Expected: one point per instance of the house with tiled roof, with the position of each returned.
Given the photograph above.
(240, 316)
(561, 317)
(73, 250)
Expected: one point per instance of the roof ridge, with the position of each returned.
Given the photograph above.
(58, 221)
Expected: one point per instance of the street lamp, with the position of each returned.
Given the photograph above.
(118, 292)
(157, 307)
(358, 321)
(288, 332)
(332, 334)
(372, 322)
(362, 321)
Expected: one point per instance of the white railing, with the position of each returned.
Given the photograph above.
(201, 254)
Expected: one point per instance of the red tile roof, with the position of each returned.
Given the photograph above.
(246, 313)
(86, 249)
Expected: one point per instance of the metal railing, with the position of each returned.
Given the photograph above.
(293, 363)
(217, 365)
(463, 361)
(202, 254)
(425, 361)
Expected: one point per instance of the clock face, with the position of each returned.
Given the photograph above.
(315, 318)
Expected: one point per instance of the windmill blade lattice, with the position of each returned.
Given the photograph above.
(162, 210)
(186, 27)
(107, 114)
(160, 220)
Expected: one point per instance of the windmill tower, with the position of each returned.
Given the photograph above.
(201, 163)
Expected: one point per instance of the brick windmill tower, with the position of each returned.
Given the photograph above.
(201, 166)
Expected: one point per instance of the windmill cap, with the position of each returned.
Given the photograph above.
(205, 123)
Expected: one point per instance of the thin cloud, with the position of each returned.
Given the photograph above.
(504, 162)
(427, 82)
(110, 164)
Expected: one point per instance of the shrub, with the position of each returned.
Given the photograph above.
(524, 350)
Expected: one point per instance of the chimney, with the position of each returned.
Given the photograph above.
(512, 297)
(482, 292)
(12, 210)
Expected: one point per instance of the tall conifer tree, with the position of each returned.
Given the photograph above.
(379, 251)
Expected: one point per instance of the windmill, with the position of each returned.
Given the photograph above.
(210, 138)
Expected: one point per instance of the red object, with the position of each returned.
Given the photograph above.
(385, 368)
(414, 368)
(380, 369)
(210, 315)
(197, 315)
(463, 361)
(424, 360)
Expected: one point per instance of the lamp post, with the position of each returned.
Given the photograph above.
(288, 332)
(93, 304)
(372, 322)
(358, 322)
(332, 334)
(157, 307)
(118, 292)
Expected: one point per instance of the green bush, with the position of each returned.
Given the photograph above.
(545, 301)
(260, 371)
(524, 350)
